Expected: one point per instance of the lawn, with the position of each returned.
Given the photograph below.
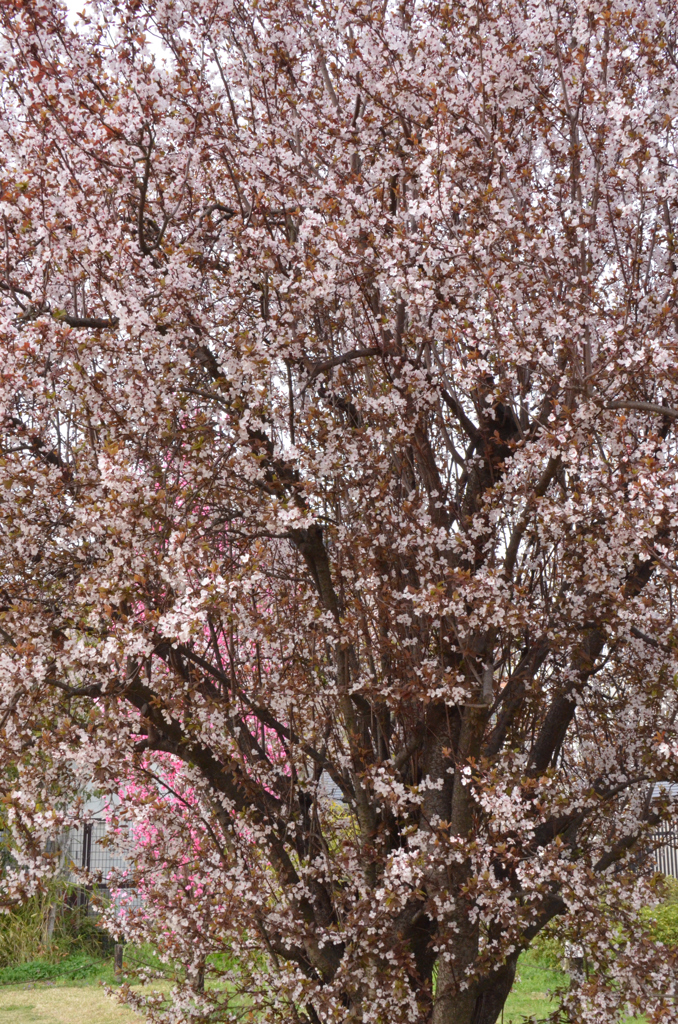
(47, 1003)
(58, 1003)
(531, 993)
(87, 1003)
(53, 1004)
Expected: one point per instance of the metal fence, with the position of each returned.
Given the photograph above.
(666, 855)
(84, 847)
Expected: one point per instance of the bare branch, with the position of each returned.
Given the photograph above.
(661, 410)
(346, 357)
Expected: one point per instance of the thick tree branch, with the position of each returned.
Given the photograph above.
(661, 410)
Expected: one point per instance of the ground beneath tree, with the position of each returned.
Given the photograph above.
(89, 1004)
(57, 1005)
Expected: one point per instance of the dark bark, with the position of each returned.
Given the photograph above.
(494, 993)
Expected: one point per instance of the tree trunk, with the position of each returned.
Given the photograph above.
(481, 1003)
(494, 993)
(452, 1005)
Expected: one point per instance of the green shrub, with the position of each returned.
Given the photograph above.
(666, 929)
(146, 957)
(671, 890)
(547, 950)
(48, 928)
(665, 916)
(72, 968)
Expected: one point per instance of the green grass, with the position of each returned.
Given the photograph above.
(74, 985)
(538, 976)
(531, 992)
(49, 1004)
(77, 967)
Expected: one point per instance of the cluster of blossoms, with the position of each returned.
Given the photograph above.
(338, 411)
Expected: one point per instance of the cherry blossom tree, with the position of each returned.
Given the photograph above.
(338, 402)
